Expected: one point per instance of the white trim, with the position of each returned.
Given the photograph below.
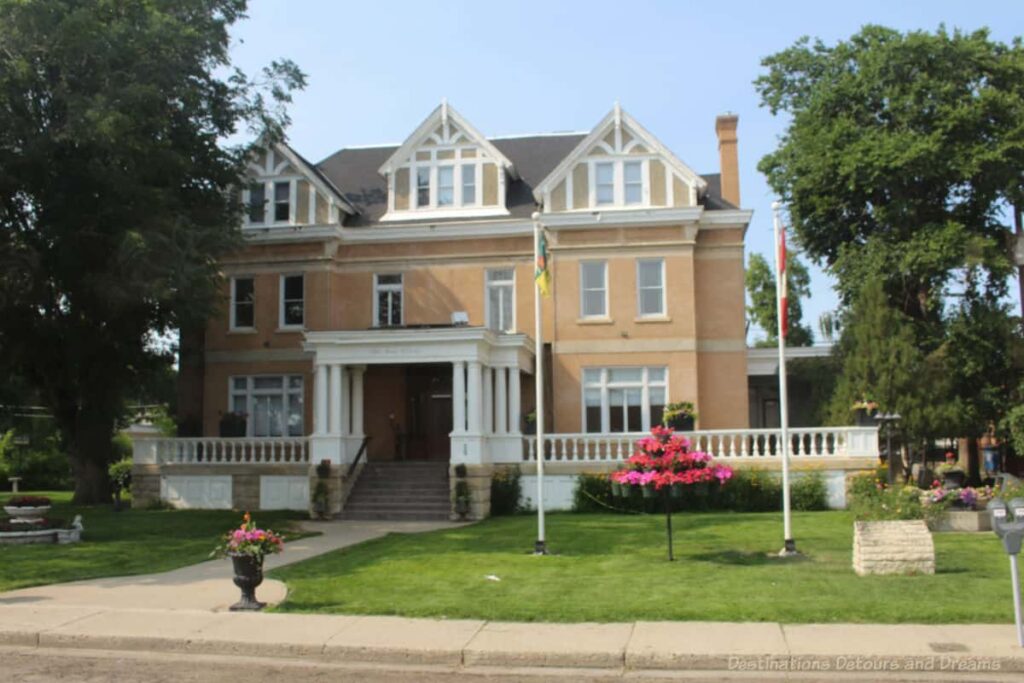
(281, 325)
(291, 233)
(389, 287)
(604, 274)
(232, 326)
(309, 174)
(664, 290)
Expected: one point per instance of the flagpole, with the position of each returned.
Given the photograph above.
(781, 300)
(540, 547)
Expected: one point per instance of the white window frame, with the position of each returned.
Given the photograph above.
(458, 162)
(232, 322)
(503, 284)
(269, 184)
(474, 166)
(285, 392)
(604, 385)
(282, 303)
(604, 268)
(415, 180)
(664, 293)
(614, 184)
(247, 199)
(619, 182)
(640, 166)
(388, 287)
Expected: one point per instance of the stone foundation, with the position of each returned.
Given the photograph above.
(893, 547)
(479, 479)
(962, 520)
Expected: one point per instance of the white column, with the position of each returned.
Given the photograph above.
(459, 397)
(488, 404)
(346, 401)
(320, 400)
(515, 403)
(357, 400)
(473, 398)
(500, 401)
(334, 418)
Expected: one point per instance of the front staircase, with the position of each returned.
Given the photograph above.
(413, 490)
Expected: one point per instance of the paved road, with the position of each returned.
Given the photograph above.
(22, 665)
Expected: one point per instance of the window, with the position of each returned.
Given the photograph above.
(445, 185)
(593, 289)
(387, 302)
(422, 186)
(604, 184)
(292, 304)
(617, 400)
(650, 287)
(468, 184)
(633, 182)
(500, 299)
(282, 201)
(273, 404)
(257, 203)
(243, 303)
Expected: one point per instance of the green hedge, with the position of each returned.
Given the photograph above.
(506, 491)
(747, 491)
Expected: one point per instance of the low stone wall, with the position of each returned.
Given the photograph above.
(962, 520)
(245, 481)
(893, 547)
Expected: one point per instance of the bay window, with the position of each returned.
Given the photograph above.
(623, 399)
(272, 404)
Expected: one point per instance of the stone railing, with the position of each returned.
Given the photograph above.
(729, 444)
(222, 451)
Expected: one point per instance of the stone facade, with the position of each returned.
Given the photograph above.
(479, 479)
(893, 547)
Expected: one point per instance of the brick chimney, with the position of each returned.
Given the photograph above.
(725, 128)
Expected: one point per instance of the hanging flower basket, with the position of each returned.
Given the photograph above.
(616, 489)
(677, 491)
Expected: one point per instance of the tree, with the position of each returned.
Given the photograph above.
(116, 193)
(901, 154)
(763, 309)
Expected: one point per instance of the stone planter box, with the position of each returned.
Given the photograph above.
(893, 547)
(26, 515)
(962, 520)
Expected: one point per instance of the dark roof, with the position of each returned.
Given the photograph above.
(354, 171)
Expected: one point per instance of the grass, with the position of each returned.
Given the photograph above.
(614, 568)
(121, 543)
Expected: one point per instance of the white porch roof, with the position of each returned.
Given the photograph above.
(390, 346)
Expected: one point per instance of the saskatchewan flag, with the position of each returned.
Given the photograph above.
(543, 272)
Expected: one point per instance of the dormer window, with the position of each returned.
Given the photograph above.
(633, 182)
(618, 183)
(423, 186)
(443, 181)
(257, 202)
(445, 185)
(468, 184)
(282, 202)
(604, 183)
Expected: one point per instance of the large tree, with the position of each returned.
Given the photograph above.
(764, 307)
(116, 193)
(903, 157)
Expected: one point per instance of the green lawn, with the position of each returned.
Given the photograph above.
(121, 543)
(613, 568)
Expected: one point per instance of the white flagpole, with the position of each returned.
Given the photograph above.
(540, 547)
(789, 545)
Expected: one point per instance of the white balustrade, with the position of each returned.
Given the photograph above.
(231, 451)
(727, 444)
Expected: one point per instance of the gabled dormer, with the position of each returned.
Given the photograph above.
(619, 165)
(283, 189)
(446, 169)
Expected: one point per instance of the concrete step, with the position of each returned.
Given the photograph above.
(367, 497)
(395, 507)
(393, 515)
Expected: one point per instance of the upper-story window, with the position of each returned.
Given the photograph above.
(593, 289)
(282, 201)
(387, 300)
(257, 206)
(618, 183)
(632, 182)
(445, 178)
(445, 185)
(292, 301)
(423, 186)
(243, 303)
(468, 184)
(500, 299)
(650, 287)
(260, 212)
(604, 183)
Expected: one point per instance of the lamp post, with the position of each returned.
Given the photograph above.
(888, 422)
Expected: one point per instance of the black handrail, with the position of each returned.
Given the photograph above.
(362, 449)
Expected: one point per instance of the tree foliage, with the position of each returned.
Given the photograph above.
(901, 151)
(115, 193)
(763, 308)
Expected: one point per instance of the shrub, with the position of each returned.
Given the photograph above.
(120, 473)
(592, 493)
(808, 492)
(871, 499)
(120, 447)
(506, 491)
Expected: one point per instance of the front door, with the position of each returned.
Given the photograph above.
(430, 412)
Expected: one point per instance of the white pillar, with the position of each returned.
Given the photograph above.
(459, 397)
(473, 398)
(515, 403)
(357, 400)
(346, 401)
(334, 416)
(320, 400)
(500, 401)
(488, 404)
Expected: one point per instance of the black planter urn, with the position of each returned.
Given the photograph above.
(248, 575)
(681, 423)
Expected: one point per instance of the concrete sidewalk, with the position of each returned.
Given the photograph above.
(207, 585)
(477, 645)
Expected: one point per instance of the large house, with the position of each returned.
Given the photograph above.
(383, 311)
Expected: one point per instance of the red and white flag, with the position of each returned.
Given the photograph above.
(783, 302)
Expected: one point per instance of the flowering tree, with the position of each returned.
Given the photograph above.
(664, 464)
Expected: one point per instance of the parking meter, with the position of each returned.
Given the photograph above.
(1008, 523)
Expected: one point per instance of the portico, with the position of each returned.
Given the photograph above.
(485, 390)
